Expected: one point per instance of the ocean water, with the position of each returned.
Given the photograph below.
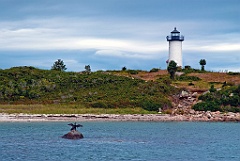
(113, 141)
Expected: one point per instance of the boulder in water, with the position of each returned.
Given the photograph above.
(73, 134)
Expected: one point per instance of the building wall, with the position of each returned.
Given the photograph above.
(175, 52)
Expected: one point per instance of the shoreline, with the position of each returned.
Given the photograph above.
(196, 117)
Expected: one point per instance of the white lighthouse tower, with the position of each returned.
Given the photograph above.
(175, 47)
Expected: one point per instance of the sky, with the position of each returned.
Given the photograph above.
(111, 34)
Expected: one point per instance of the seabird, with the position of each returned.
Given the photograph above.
(74, 126)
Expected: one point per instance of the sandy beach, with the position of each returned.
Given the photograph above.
(196, 116)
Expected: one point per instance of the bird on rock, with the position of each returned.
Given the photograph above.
(75, 126)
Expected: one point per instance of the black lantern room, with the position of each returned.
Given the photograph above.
(175, 36)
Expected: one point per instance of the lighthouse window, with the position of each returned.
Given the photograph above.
(175, 34)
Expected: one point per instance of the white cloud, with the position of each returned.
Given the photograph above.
(58, 39)
(222, 47)
(120, 38)
(110, 53)
(214, 47)
(138, 36)
(214, 43)
(122, 54)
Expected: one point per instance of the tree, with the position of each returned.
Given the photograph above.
(172, 68)
(59, 65)
(202, 63)
(124, 68)
(87, 69)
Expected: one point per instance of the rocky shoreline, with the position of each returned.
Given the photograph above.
(194, 116)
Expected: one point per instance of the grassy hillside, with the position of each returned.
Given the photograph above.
(28, 85)
(217, 91)
(32, 90)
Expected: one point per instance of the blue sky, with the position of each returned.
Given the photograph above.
(111, 34)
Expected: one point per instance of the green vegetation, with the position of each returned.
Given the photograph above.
(188, 69)
(188, 78)
(172, 68)
(154, 70)
(132, 71)
(98, 90)
(68, 109)
(87, 69)
(31, 90)
(225, 100)
(124, 68)
(233, 73)
(59, 65)
(202, 62)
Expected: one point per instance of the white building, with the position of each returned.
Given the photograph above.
(175, 47)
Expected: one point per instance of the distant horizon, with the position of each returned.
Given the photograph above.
(144, 70)
(111, 34)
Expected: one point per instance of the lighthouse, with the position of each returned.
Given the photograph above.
(175, 47)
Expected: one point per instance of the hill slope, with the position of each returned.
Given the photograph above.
(118, 89)
(28, 85)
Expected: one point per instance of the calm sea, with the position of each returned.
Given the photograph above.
(112, 141)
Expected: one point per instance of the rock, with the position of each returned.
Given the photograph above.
(191, 99)
(192, 112)
(194, 95)
(179, 73)
(184, 94)
(205, 92)
(74, 135)
(159, 110)
(208, 114)
(180, 106)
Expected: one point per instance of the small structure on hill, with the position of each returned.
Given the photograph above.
(73, 134)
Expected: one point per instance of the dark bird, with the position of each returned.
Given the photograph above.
(74, 126)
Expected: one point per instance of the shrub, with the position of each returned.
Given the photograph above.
(233, 73)
(187, 67)
(153, 105)
(207, 106)
(99, 105)
(231, 109)
(227, 99)
(232, 101)
(212, 89)
(124, 68)
(150, 105)
(207, 97)
(165, 80)
(187, 70)
(154, 70)
(188, 78)
(132, 71)
(237, 90)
